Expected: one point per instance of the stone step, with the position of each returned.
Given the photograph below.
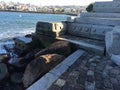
(99, 21)
(100, 15)
(84, 43)
(110, 7)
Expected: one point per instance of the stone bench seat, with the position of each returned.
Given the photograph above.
(85, 43)
(87, 36)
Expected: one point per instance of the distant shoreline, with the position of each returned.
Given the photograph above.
(37, 12)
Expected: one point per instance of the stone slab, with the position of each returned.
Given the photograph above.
(88, 30)
(73, 57)
(99, 21)
(113, 41)
(44, 83)
(62, 67)
(116, 59)
(116, 0)
(79, 29)
(99, 15)
(89, 46)
(113, 7)
(59, 69)
(98, 32)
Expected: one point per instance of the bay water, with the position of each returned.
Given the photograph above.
(14, 24)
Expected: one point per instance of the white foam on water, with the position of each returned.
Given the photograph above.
(15, 33)
(2, 49)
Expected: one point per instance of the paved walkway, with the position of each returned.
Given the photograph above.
(89, 72)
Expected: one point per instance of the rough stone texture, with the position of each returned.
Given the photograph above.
(40, 66)
(47, 80)
(116, 0)
(3, 71)
(79, 29)
(88, 30)
(60, 82)
(113, 43)
(59, 47)
(105, 75)
(99, 15)
(16, 77)
(112, 7)
(98, 21)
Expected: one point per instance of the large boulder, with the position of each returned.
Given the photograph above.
(16, 77)
(112, 40)
(38, 67)
(3, 71)
(59, 47)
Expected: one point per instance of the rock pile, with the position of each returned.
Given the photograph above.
(17, 73)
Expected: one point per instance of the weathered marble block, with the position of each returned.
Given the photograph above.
(53, 29)
(88, 30)
(113, 7)
(99, 15)
(113, 44)
(79, 29)
(116, 0)
(98, 32)
(99, 21)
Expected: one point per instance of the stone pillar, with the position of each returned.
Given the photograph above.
(112, 41)
(116, 0)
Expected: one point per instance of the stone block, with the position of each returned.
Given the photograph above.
(99, 15)
(113, 43)
(60, 82)
(59, 69)
(73, 57)
(116, 0)
(98, 32)
(116, 59)
(89, 31)
(79, 29)
(87, 44)
(44, 83)
(98, 21)
(113, 7)
(53, 29)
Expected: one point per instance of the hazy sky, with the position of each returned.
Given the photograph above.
(56, 2)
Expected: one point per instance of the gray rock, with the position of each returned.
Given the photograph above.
(107, 83)
(59, 47)
(39, 67)
(60, 82)
(89, 86)
(16, 77)
(114, 72)
(3, 71)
